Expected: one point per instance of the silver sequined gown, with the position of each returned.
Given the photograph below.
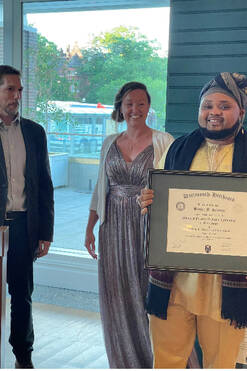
(122, 278)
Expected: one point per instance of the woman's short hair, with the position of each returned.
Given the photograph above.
(125, 89)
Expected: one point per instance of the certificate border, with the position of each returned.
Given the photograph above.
(156, 256)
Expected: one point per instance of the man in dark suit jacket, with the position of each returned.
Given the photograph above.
(26, 206)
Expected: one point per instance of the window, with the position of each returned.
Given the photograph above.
(72, 72)
(103, 50)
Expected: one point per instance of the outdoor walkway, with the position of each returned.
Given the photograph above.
(71, 215)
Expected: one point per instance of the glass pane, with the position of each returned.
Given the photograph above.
(1, 32)
(71, 74)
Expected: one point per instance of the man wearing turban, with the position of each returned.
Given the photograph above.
(212, 306)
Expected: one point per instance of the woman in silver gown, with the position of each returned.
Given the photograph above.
(123, 280)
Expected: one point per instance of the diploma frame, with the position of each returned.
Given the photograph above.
(156, 255)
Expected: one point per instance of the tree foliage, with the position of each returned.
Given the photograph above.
(51, 75)
(49, 79)
(117, 57)
(113, 58)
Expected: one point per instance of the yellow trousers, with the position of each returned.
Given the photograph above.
(173, 339)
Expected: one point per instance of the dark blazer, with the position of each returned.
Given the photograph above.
(38, 185)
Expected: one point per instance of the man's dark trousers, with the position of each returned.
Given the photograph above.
(20, 286)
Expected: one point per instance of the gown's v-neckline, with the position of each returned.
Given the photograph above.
(130, 162)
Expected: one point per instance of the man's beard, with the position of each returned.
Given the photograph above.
(12, 112)
(220, 134)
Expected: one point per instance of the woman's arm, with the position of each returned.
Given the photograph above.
(90, 238)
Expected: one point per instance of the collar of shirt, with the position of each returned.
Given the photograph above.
(15, 122)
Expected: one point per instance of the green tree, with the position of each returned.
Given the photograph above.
(50, 80)
(51, 72)
(119, 56)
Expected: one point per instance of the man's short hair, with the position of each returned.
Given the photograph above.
(8, 70)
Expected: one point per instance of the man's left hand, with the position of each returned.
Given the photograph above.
(43, 248)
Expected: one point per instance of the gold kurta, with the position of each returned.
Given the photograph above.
(194, 291)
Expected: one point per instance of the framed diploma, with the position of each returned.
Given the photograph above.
(197, 222)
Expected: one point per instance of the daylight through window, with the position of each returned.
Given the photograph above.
(71, 74)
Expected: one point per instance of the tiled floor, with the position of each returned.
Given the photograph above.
(64, 338)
